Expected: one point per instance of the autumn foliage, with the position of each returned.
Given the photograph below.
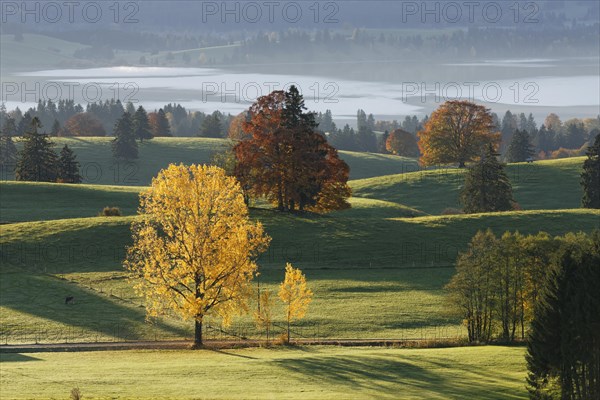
(83, 124)
(402, 143)
(194, 247)
(236, 127)
(286, 160)
(457, 132)
(295, 294)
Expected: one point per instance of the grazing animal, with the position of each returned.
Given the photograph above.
(69, 300)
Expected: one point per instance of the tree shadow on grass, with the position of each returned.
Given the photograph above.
(392, 376)
(91, 317)
(384, 376)
(16, 357)
(230, 353)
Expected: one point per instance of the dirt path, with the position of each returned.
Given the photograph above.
(216, 344)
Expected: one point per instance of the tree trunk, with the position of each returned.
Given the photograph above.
(198, 334)
(288, 324)
(279, 199)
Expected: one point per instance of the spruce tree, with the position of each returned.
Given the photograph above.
(24, 124)
(141, 125)
(130, 108)
(68, 167)
(55, 128)
(590, 178)
(487, 187)
(520, 148)
(8, 154)
(163, 128)
(563, 350)
(211, 126)
(124, 145)
(37, 160)
(9, 128)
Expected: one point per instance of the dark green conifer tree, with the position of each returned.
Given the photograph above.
(487, 187)
(37, 160)
(124, 145)
(68, 167)
(590, 177)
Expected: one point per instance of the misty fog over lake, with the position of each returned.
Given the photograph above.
(538, 85)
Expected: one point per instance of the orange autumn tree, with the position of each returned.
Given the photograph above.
(402, 143)
(236, 127)
(286, 160)
(457, 132)
(194, 246)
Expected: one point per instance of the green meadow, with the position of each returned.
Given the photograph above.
(377, 270)
(277, 373)
(98, 166)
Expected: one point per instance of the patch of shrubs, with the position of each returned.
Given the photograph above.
(110, 212)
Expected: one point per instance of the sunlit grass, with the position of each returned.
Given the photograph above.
(284, 373)
(552, 184)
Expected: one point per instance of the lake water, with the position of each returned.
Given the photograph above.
(535, 87)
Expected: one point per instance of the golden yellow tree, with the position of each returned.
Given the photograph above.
(194, 245)
(295, 294)
(263, 316)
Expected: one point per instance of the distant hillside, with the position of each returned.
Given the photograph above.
(550, 184)
(36, 52)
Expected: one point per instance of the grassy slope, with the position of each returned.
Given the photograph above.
(33, 201)
(99, 167)
(543, 185)
(314, 372)
(38, 51)
(366, 264)
(369, 274)
(552, 184)
(21, 201)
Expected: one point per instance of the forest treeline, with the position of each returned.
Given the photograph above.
(551, 138)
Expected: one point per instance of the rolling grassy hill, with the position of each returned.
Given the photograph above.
(99, 167)
(377, 270)
(551, 184)
(545, 185)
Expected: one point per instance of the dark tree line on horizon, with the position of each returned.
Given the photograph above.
(521, 135)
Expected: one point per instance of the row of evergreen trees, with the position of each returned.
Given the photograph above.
(175, 119)
(128, 128)
(455, 44)
(38, 161)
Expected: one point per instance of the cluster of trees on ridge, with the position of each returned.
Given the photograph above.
(38, 161)
(284, 158)
(542, 289)
(66, 118)
(553, 139)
